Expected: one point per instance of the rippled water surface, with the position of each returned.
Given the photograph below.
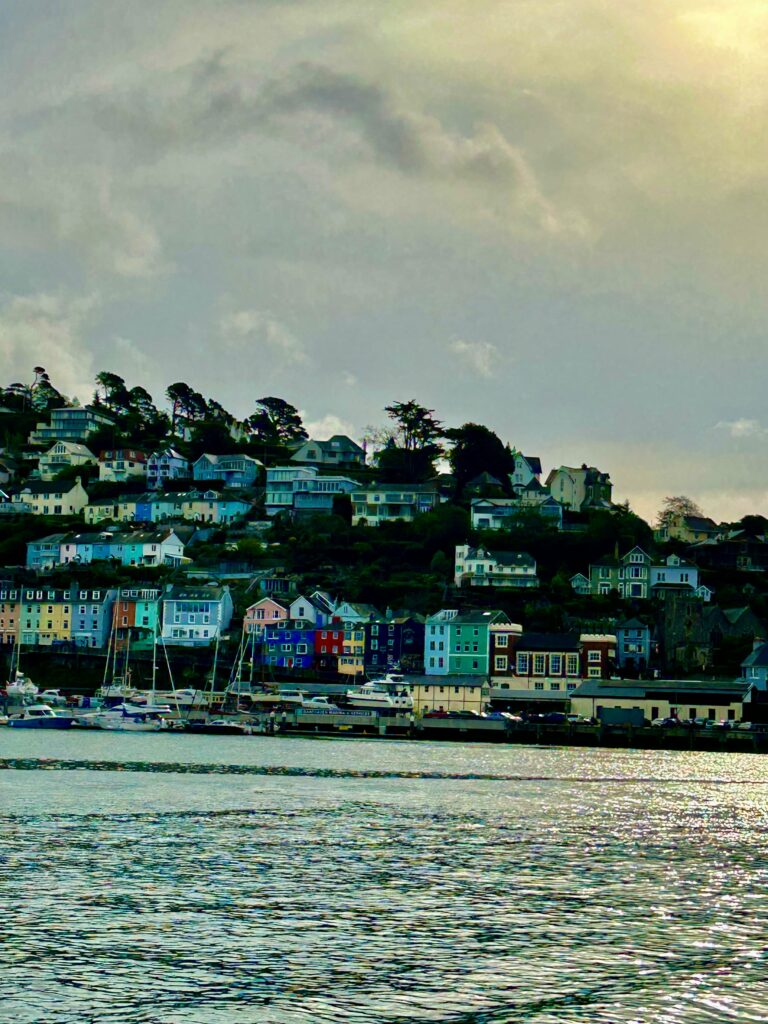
(238, 880)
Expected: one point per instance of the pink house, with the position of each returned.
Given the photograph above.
(265, 612)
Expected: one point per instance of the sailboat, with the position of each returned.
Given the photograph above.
(20, 688)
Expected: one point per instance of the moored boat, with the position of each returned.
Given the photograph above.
(129, 718)
(376, 696)
(39, 716)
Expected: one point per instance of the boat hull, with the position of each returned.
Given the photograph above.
(40, 723)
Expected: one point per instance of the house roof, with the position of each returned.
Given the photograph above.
(759, 656)
(700, 523)
(734, 614)
(184, 593)
(534, 463)
(549, 642)
(339, 442)
(484, 478)
(49, 486)
(72, 448)
(503, 557)
(732, 688)
(478, 618)
(632, 624)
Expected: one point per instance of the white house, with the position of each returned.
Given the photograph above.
(317, 609)
(527, 468)
(339, 450)
(675, 571)
(63, 455)
(164, 466)
(580, 487)
(478, 567)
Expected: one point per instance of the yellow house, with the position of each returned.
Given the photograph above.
(352, 657)
(449, 693)
(10, 609)
(59, 498)
(45, 616)
(118, 510)
(662, 698)
(689, 529)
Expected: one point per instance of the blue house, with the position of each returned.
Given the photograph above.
(227, 470)
(394, 644)
(286, 646)
(92, 612)
(633, 645)
(45, 552)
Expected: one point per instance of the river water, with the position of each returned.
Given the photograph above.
(260, 880)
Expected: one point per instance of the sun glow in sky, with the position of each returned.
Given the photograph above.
(549, 217)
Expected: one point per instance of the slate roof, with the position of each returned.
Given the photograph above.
(534, 463)
(662, 688)
(632, 624)
(548, 642)
(759, 656)
(183, 593)
(476, 618)
(48, 487)
(700, 523)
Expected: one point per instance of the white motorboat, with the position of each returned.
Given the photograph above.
(376, 696)
(22, 687)
(129, 718)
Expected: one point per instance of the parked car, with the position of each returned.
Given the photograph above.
(435, 714)
(576, 718)
(666, 722)
(466, 714)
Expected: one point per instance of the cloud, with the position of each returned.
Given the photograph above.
(47, 330)
(348, 379)
(481, 357)
(252, 328)
(327, 426)
(742, 428)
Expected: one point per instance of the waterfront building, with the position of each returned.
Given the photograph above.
(195, 616)
(457, 693)
(458, 643)
(288, 645)
(45, 616)
(137, 616)
(263, 613)
(315, 610)
(92, 612)
(394, 644)
(45, 553)
(329, 647)
(662, 698)
(10, 612)
(633, 645)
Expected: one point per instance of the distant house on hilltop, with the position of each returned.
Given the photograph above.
(581, 488)
(338, 450)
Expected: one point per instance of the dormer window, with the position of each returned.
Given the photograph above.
(636, 556)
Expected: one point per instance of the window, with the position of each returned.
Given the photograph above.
(500, 662)
(554, 686)
(604, 588)
(593, 673)
(539, 664)
(523, 661)
(572, 664)
(555, 664)
(501, 640)
(683, 577)
(538, 686)
(570, 686)
(593, 656)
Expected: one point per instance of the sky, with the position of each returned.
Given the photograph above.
(548, 217)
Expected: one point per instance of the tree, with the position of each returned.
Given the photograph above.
(677, 506)
(416, 426)
(112, 392)
(412, 445)
(476, 449)
(187, 403)
(276, 422)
